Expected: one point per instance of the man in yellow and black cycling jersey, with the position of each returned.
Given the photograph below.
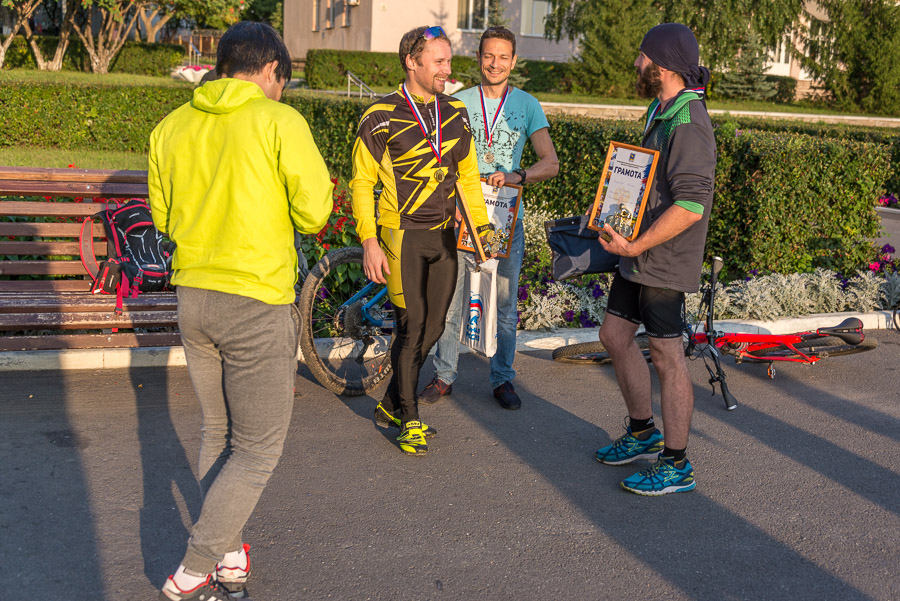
(418, 142)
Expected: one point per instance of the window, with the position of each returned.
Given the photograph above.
(473, 14)
(340, 12)
(782, 52)
(534, 12)
(330, 11)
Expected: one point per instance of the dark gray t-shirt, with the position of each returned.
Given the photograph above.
(685, 174)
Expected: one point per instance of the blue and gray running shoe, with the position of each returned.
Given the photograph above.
(628, 448)
(662, 478)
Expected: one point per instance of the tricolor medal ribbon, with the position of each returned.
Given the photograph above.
(435, 149)
(489, 131)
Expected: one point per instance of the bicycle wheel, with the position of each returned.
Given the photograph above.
(830, 346)
(345, 344)
(594, 352)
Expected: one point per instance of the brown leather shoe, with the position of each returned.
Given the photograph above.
(435, 391)
(507, 397)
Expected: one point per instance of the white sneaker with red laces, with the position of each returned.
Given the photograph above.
(234, 578)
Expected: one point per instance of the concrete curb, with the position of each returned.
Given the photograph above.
(616, 111)
(526, 341)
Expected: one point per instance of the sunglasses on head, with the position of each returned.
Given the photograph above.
(433, 32)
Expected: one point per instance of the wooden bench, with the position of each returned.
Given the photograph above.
(45, 299)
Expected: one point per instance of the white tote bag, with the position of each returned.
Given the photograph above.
(479, 331)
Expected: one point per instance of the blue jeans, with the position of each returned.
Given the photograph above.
(446, 355)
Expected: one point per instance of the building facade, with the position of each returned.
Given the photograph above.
(377, 25)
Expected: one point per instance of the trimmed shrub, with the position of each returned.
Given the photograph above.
(546, 76)
(141, 58)
(326, 70)
(785, 88)
(333, 123)
(785, 201)
(840, 131)
(134, 57)
(84, 116)
(793, 203)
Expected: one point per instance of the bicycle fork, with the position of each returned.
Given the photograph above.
(719, 377)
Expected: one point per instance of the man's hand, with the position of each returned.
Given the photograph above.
(499, 179)
(617, 244)
(375, 264)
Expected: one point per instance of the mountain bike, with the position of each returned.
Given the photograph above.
(704, 342)
(347, 323)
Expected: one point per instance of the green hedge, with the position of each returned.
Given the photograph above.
(791, 203)
(325, 70)
(785, 201)
(73, 116)
(135, 57)
(785, 88)
(840, 131)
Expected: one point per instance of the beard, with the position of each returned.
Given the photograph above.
(649, 82)
(438, 85)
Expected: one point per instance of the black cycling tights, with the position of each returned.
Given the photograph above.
(421, 286)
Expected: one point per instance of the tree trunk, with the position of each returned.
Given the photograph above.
(65, 30)
(148, 28)
(23, 12)
(110, 38)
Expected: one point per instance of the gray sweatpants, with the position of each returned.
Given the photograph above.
(242, 359)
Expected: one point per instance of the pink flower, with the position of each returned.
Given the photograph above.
(874, 266)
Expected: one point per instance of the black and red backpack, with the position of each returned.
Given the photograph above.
(138, 257)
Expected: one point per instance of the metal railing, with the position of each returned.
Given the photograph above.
(354, 80)
(194, 54)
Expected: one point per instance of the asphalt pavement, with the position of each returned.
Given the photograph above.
(798, 491)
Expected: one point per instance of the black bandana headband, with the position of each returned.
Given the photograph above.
(673, 46)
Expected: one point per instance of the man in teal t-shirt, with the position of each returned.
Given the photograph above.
(502, 119)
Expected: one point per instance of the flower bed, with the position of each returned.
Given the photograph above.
(581, 302)
(889, 201)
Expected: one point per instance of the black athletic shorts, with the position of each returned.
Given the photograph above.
(660, 310)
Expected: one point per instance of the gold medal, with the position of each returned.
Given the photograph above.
(439, 175)
(489, 157)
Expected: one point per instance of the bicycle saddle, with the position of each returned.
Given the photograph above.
(849, 330)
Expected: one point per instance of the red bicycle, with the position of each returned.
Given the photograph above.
(846, 338)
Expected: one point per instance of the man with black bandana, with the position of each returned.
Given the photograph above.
(662, 263)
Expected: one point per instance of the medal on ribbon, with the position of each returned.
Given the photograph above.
(438, 131)
(489, 131)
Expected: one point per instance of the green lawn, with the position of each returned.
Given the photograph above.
(75, 77)
(20, 156)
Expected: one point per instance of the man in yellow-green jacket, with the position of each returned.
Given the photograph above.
(233, 173)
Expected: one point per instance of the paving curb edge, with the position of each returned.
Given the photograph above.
(526, 341)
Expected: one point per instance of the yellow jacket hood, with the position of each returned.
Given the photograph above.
(232, 175)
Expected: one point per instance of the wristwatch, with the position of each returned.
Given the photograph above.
(520, 173)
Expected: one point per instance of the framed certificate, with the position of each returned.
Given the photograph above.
(503, 210)
(624, 187)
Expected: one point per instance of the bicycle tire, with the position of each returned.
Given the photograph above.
(331, 282)
(594, 352)
(830, 346)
